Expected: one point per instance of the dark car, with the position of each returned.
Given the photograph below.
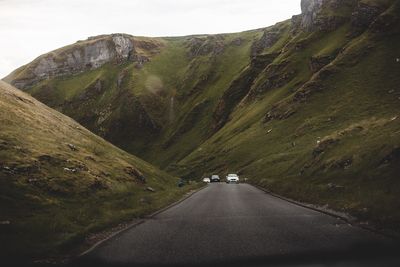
(215, 179)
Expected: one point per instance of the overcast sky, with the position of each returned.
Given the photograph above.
(30, 28)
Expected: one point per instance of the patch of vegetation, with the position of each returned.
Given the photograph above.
(340, 145)
(59, 182)
(312, 115)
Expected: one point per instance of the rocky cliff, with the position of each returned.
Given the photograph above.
(83, 56)
(327, 15)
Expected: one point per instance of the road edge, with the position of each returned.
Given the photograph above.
(134, 224)
(347, 218)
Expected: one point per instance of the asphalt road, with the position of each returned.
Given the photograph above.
(240, 225)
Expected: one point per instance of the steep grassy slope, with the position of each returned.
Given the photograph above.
(150, 107)
(307, 107)
(330, 137)
(59, 182)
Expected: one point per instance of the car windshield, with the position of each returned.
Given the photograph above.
(232, 175)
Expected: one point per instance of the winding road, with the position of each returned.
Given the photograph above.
(240, 225)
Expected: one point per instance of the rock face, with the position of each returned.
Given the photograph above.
(327, 15)
(310, 10)
(321, 15)
(209, 45)
(363, 16)
(267, 40)
(123, 46)
(318, 62)
(82, 56)
(276, 75)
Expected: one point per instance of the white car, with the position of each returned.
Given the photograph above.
(207, 180)
(232, 178)
(215, 179)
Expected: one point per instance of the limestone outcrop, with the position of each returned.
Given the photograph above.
(82, 56)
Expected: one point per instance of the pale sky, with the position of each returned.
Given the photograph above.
(30, 28)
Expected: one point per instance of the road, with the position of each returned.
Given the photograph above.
(240, 225)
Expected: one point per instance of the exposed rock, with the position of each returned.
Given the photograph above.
(151, 189)
(83, 56)
(91, 56)
(140, 60)
(73, 170)
(303, 93)
(310, 10)
(276, 76)
(343, 163)
(324, 145)
(318, 62)
(136, 174)
(386, 23)
(72, 147)
(315, 16)
(314, 85)
(280, 111)
(329, 23)
(76, 165)
(123, 47)
(208, 45)
(363, 16)
(296, 23)
(268, 39)
(7, 169)
(237, 41)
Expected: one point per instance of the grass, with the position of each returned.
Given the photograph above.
(59, 182)
(351, 110)
(353, 106)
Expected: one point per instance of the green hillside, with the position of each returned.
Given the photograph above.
(59, 182)
(307, 108)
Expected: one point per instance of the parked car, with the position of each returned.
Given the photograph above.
(215, 179)
(207, 180)
(232, 178)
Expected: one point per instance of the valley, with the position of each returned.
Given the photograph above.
(307, 108)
